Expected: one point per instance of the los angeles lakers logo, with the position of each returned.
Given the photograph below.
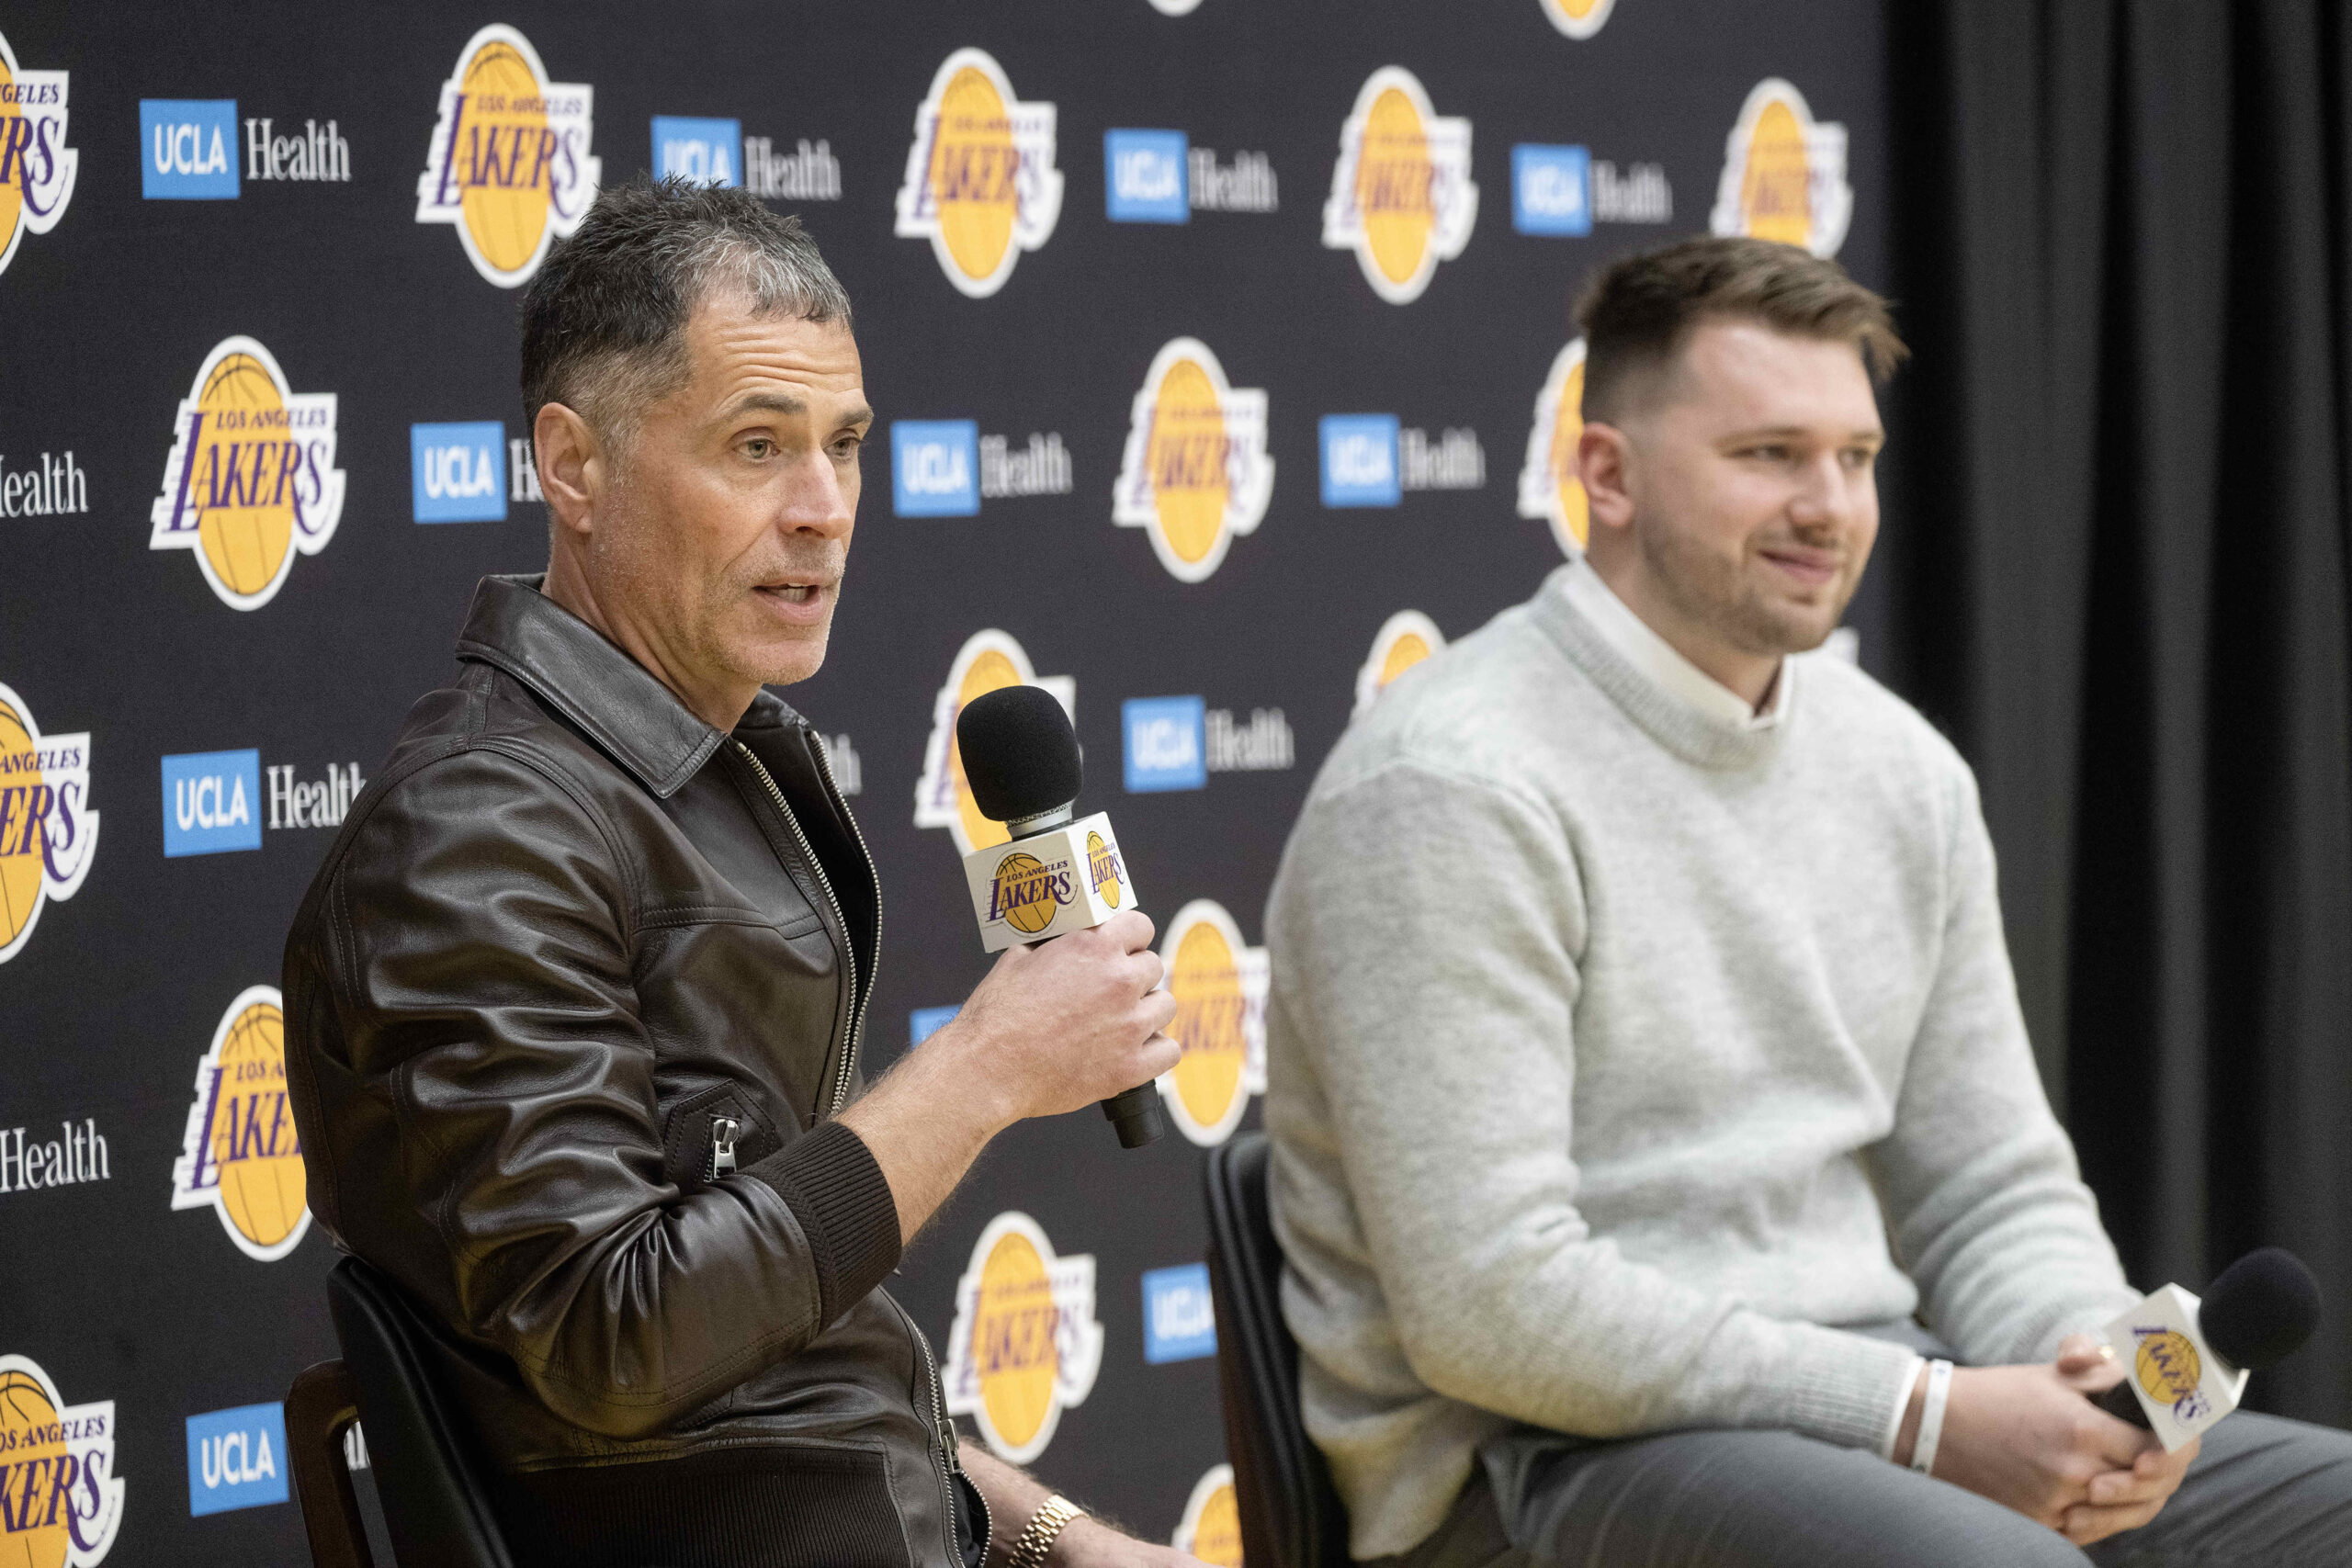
(47, 832)
(1028, 893)
(2168, 1365)
(1401, 196)
(1548, 485)
(1211, 1528)
(1025, 1346)
(1405, 639)
(36, 167)
(251, 482)
(60, 1501)
(241, 1156)
(1784, 176)
(1220, 991)
(942, 796)
(509, 166)
(1577, 18)
(980, 183)
(1195, 473)
(1102, 868)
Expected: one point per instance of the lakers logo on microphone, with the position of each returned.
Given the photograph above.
(1549, 487)
(509, 167)
(1405, 639)
(980, 182)
(60, 1501)
(1401, 196)
(47, 832)
(1211, 1528)
(989, 660)
(1220, 991)
(239, 1156)
(1195, 473)
(37, 168)
(1027, 893)
(1784, 176)
(251, 481)
(1103, 870)
(2167, 1366)
(1025, 1346)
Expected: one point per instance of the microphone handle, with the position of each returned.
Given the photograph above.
(2124, 1404)
(1138, 1114)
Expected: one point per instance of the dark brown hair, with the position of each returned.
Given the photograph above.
(1641, 311)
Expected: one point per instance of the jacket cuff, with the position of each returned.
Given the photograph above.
(831, 1183)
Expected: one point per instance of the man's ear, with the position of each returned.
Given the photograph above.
(572, 463)
(1605, 462)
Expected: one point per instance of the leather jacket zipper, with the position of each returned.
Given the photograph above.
(945, 1430)
(849, 954)
(724, 1131)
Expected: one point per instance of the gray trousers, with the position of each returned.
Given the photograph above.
(2264, 1493)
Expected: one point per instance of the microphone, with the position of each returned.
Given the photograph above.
(1057, 875)
(2190, 1358)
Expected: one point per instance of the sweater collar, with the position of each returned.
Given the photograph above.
(1708, 738)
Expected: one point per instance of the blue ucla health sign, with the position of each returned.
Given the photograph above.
(236, 1459)
(706, 151)
(1144, 172)
(458, 472)
(211, 803)
(1166, 743)
(187, 148)
(934, 468)
(1551, 189)
(1360, 460)
(1179, 1317)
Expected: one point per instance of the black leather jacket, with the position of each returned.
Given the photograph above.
(569, 940)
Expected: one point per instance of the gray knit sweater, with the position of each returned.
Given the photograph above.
(1616, 1055)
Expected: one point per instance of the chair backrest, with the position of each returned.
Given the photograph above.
(320, 1409)
(1291, 1516)
(426, 1481)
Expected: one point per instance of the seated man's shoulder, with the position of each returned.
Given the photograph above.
(1868, 717)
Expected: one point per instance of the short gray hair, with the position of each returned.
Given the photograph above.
(604, 322)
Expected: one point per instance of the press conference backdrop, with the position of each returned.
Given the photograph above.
(1224, 367)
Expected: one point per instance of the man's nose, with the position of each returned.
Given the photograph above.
(1824, 498)
(816, 501)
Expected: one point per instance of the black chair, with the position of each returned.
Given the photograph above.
(434, 1508)
(1291, 1516)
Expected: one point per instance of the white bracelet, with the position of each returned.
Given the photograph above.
(1903, 1387)
(1932, 1417)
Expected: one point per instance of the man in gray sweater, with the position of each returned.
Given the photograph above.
(1648, 1086)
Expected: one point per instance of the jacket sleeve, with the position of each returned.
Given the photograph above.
(1425, 928)
(503, 1150)
(1984, 1206)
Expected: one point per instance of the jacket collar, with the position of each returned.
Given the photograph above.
(633, 716)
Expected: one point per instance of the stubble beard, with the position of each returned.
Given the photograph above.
(1713, 592)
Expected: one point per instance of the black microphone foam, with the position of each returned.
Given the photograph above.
(2261, 1310)
(1020, 754)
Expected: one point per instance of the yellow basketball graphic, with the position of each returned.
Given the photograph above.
(22, 868)
(1394, 176)
(1012, 1344)
(1405, 639)
(1187, 457)
(505, 210)
(1577, 18)
(1103, 867)
(1568, 430)
(38, 1535)
(245, 528)
(973, 160)
(991, 671)
(2168, 1367)
(1403, 654)
(1775, 193)
(241, 1155)
(12, 190)
(1206, 983)
(1025, 894)
(1217, 1538)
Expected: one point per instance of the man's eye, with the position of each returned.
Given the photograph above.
(847, 446)
(759, 448)
(1769, 454)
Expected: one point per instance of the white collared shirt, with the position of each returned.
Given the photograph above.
(1661, 662)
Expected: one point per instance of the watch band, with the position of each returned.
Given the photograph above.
(1029, 1549)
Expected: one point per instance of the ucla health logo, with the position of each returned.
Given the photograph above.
(1562, 191)
(1369, 459)
(989, 660)
(1195, 473)
(1158, 176)
(980, 182)
(702, 151)
(1179, 1317)
(1784, 176)
(189, 148)
(213, 801)
(1177, 742)
(1577, 18)
(232, 1459)
(1211, 1528)
(458, 472)
(251, 481)
(36, 167)
(509, 166)
(1025, 1346)
(945, 468)
(47, 832)
(1549, 483)
(60, 1501)
(1404, 641)
(1401, 196)
(239, 1156)
(1220, 990)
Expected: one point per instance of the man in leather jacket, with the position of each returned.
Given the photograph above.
(575, 1001)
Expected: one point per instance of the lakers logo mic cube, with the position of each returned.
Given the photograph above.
(1068, 879)
(2183, 1385)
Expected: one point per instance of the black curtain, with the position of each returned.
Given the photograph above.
(2117, 577)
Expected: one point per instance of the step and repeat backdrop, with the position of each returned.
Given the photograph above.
(1224, 367)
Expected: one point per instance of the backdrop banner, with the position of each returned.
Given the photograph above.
(1252, 320)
